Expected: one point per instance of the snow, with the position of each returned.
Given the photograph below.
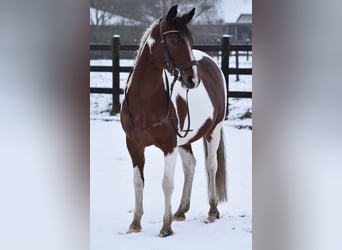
(112, 196)
(111, 182)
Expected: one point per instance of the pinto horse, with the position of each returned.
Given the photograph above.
(171, 83)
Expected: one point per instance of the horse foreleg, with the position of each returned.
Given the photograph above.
(168, 185)
(189, 163)
(138, 211)
(138, 160)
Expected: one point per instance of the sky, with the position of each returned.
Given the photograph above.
(231, 9)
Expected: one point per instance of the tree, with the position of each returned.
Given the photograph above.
(103, 12)
(206, 11)
(149, 10)
(144, 12)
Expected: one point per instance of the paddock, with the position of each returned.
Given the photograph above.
(112, 195)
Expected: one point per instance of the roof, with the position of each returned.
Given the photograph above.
(244, 18)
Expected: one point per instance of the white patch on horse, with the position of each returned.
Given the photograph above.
(200, 107)
(189, 163)
(211, 161)
(168, 80)
(150, 41)
(138, 186)
(168, 180)
(199, 54)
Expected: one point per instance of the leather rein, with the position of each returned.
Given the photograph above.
(177, 72)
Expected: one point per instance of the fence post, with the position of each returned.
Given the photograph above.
(237, 64)
(225, 51)
(115, 74)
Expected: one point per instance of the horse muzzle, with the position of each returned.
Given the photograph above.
(189, 82)
(188, 75)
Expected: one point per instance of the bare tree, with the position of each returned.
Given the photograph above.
(145, 12)
(104, 11)
(149, 10)
(165, 5)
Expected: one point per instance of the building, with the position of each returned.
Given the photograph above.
(241, 30)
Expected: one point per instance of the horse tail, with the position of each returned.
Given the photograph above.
(220, 178)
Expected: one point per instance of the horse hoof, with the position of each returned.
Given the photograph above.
(178, 218)
(165, 233)
(210, 219)
(134, 230)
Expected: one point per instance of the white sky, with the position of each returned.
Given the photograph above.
(231, 9)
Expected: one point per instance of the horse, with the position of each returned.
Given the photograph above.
(171, 83)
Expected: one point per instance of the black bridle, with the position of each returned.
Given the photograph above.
(176, 71)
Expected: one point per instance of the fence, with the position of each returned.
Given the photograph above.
(115, 47)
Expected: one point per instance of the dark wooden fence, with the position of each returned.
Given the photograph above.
(225, 48)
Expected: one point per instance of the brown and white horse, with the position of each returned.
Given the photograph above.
(170, 84)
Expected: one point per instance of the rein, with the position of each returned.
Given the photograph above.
(186, 132)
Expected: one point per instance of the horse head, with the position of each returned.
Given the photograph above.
(176, 46)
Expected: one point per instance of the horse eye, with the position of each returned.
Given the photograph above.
(173, 42)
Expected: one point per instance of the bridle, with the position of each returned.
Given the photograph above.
(176, 71)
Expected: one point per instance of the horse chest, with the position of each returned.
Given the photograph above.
(197, 107)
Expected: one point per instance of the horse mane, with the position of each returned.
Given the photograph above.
(144, 38)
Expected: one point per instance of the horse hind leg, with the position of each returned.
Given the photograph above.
(189, 163)
(215, 166)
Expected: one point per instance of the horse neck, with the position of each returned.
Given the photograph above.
(147, 78)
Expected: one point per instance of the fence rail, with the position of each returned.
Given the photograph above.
(225, 48)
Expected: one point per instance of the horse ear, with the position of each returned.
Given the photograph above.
(172, 14)
(187, 17)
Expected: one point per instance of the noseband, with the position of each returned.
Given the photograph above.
(177, 71)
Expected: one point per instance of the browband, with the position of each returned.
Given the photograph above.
(170, 31)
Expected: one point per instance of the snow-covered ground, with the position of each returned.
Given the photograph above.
(111, 183)
(112, 196)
